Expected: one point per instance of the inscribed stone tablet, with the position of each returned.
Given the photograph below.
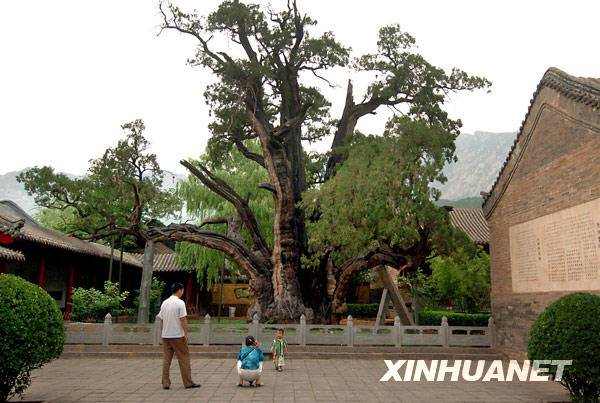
(557, 252)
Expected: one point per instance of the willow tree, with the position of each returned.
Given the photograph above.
(269, 68)
(209, 209)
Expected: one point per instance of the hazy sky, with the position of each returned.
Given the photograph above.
(72, 71)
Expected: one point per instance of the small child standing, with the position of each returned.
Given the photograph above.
(279, 349)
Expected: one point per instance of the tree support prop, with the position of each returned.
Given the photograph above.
(394, 294)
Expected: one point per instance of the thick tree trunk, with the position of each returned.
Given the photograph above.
(144, 297)
(262, 289)
(287, 296)
(287, 223)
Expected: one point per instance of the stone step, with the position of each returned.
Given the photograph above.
(295, 352)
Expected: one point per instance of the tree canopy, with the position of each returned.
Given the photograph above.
(120, 193)
(270, 67)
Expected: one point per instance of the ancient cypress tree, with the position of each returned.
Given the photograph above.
(269, 66)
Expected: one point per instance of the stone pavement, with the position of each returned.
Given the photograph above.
(138, 380)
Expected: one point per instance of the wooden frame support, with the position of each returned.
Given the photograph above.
(394, 294)
(382, 311)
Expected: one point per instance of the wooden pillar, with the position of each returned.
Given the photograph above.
(189, 292)
(70, 286)
(42, 272)
(121, 265)
(112, 254)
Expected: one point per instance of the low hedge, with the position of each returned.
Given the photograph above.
(362, 310)
(430, 317)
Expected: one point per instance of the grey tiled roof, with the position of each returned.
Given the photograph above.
(11, 255)
(472, 222)
(10, 214)
(163, 262)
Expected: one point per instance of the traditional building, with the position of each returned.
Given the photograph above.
(544, 208)
(166, 269)
(234, 292)
(58, 262)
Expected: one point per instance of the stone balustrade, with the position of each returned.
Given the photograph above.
(211, 332)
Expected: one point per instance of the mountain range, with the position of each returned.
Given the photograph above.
(480, 156)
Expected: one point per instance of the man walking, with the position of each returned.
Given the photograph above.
(173, 316)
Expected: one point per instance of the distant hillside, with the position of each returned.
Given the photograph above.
(480, 157)
(467, 202)
(10, 189)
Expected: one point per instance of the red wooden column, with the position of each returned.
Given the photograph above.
(42, 272)
(189, 294)
(188, 288)
(69, 299)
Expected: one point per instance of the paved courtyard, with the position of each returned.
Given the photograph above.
(138, 380)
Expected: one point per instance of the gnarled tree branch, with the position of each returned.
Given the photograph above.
(349, 268)
(221, 188)
(251, 263)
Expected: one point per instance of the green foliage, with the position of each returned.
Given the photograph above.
(362, 310)
(463, 279)
(92, 305)
(568, 329)
(422, 289)
(157, 289)
(281, 49)
(430, 317)
(244, 176)
(31, 330)
(121, 192)
(400, 73)
(381, 194)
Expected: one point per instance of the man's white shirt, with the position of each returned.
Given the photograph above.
(171, 312)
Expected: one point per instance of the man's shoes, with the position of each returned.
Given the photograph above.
(166, 387)
(193, 385)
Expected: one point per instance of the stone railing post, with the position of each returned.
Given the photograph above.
(106, 329)
(156, 330)
(444, 331)
(302, 331)
(397, 331)
(491, 332)
(254, 330)
(350, 330)
(206, 330)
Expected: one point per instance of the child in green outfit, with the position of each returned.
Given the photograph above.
(279, 349)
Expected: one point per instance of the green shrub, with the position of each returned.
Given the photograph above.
(91, 305)
(569, 329)
(362, 310)
(429, 317)
(463, 280)
(31, 333)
